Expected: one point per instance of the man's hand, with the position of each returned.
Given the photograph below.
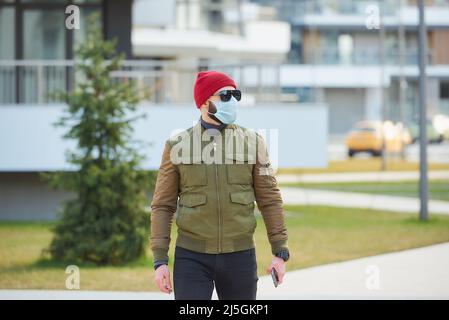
(279, 265)
(162, 277)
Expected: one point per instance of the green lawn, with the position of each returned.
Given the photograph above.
(438, 189)
(318, 235)
(364, 165)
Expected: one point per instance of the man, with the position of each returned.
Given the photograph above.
(216, 223)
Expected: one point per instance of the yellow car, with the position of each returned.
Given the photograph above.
(368, 136)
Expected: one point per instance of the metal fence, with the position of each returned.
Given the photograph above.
(300, 8)
(36, 81)
(361, 56)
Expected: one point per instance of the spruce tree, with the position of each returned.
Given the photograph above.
(106, 222)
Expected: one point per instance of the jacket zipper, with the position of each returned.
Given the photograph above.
(218, 197)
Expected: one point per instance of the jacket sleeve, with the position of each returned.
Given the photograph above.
(268, 198)
(163, 205)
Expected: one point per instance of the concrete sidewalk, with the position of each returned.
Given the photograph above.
(360, 176)
(81, 295)
(421, 273)
(304, 196)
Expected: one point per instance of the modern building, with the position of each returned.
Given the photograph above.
(351, 55)
(35, 31)
(166, 43)
(179, 37)
(234, 36)
(36, 48)
(339, 55)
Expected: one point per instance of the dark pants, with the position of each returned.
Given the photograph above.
(234, 275)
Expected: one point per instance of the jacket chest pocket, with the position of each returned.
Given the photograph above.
(190, 205)
(242, 205)
(193, 174)
(243, 197)
(240, 172)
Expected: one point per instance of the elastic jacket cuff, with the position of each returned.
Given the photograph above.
(277, 246)
(160, 254)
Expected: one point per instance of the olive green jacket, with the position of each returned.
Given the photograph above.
(215, 211)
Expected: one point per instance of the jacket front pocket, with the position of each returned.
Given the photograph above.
(190, 207)
(192, 200)
(243, 197)
(240, 172)
(193, 174)
(242, 206)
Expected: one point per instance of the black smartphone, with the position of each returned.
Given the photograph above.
(274, 276)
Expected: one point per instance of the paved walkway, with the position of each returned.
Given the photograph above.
(304, 196)
(360, 176)
(421, 273)
(80, 295)
(411, 274)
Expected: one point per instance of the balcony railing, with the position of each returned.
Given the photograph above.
(288, 9)
(35, 81)
(361, 56)
(294, 8)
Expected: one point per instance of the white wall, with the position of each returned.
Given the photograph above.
(25, 196)
(154, 13)
(373, 103)
(28, 142)
(345, 108)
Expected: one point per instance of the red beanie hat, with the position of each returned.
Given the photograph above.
(207, 83)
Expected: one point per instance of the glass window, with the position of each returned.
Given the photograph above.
(329, 47)
(7, 50)
(7, 33)
(444, 89)
(80, 34)
(62, 1)
(44, 34)
(45, 1)
(345, 48)
(87, 1)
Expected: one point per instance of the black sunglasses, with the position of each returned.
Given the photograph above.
(225, 95)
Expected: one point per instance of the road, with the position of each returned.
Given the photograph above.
(436, 152)
(304, 196)
(379, 176)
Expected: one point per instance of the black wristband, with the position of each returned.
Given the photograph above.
(159, 263)
(284, 254)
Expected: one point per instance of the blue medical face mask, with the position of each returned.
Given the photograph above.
(226, 111)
